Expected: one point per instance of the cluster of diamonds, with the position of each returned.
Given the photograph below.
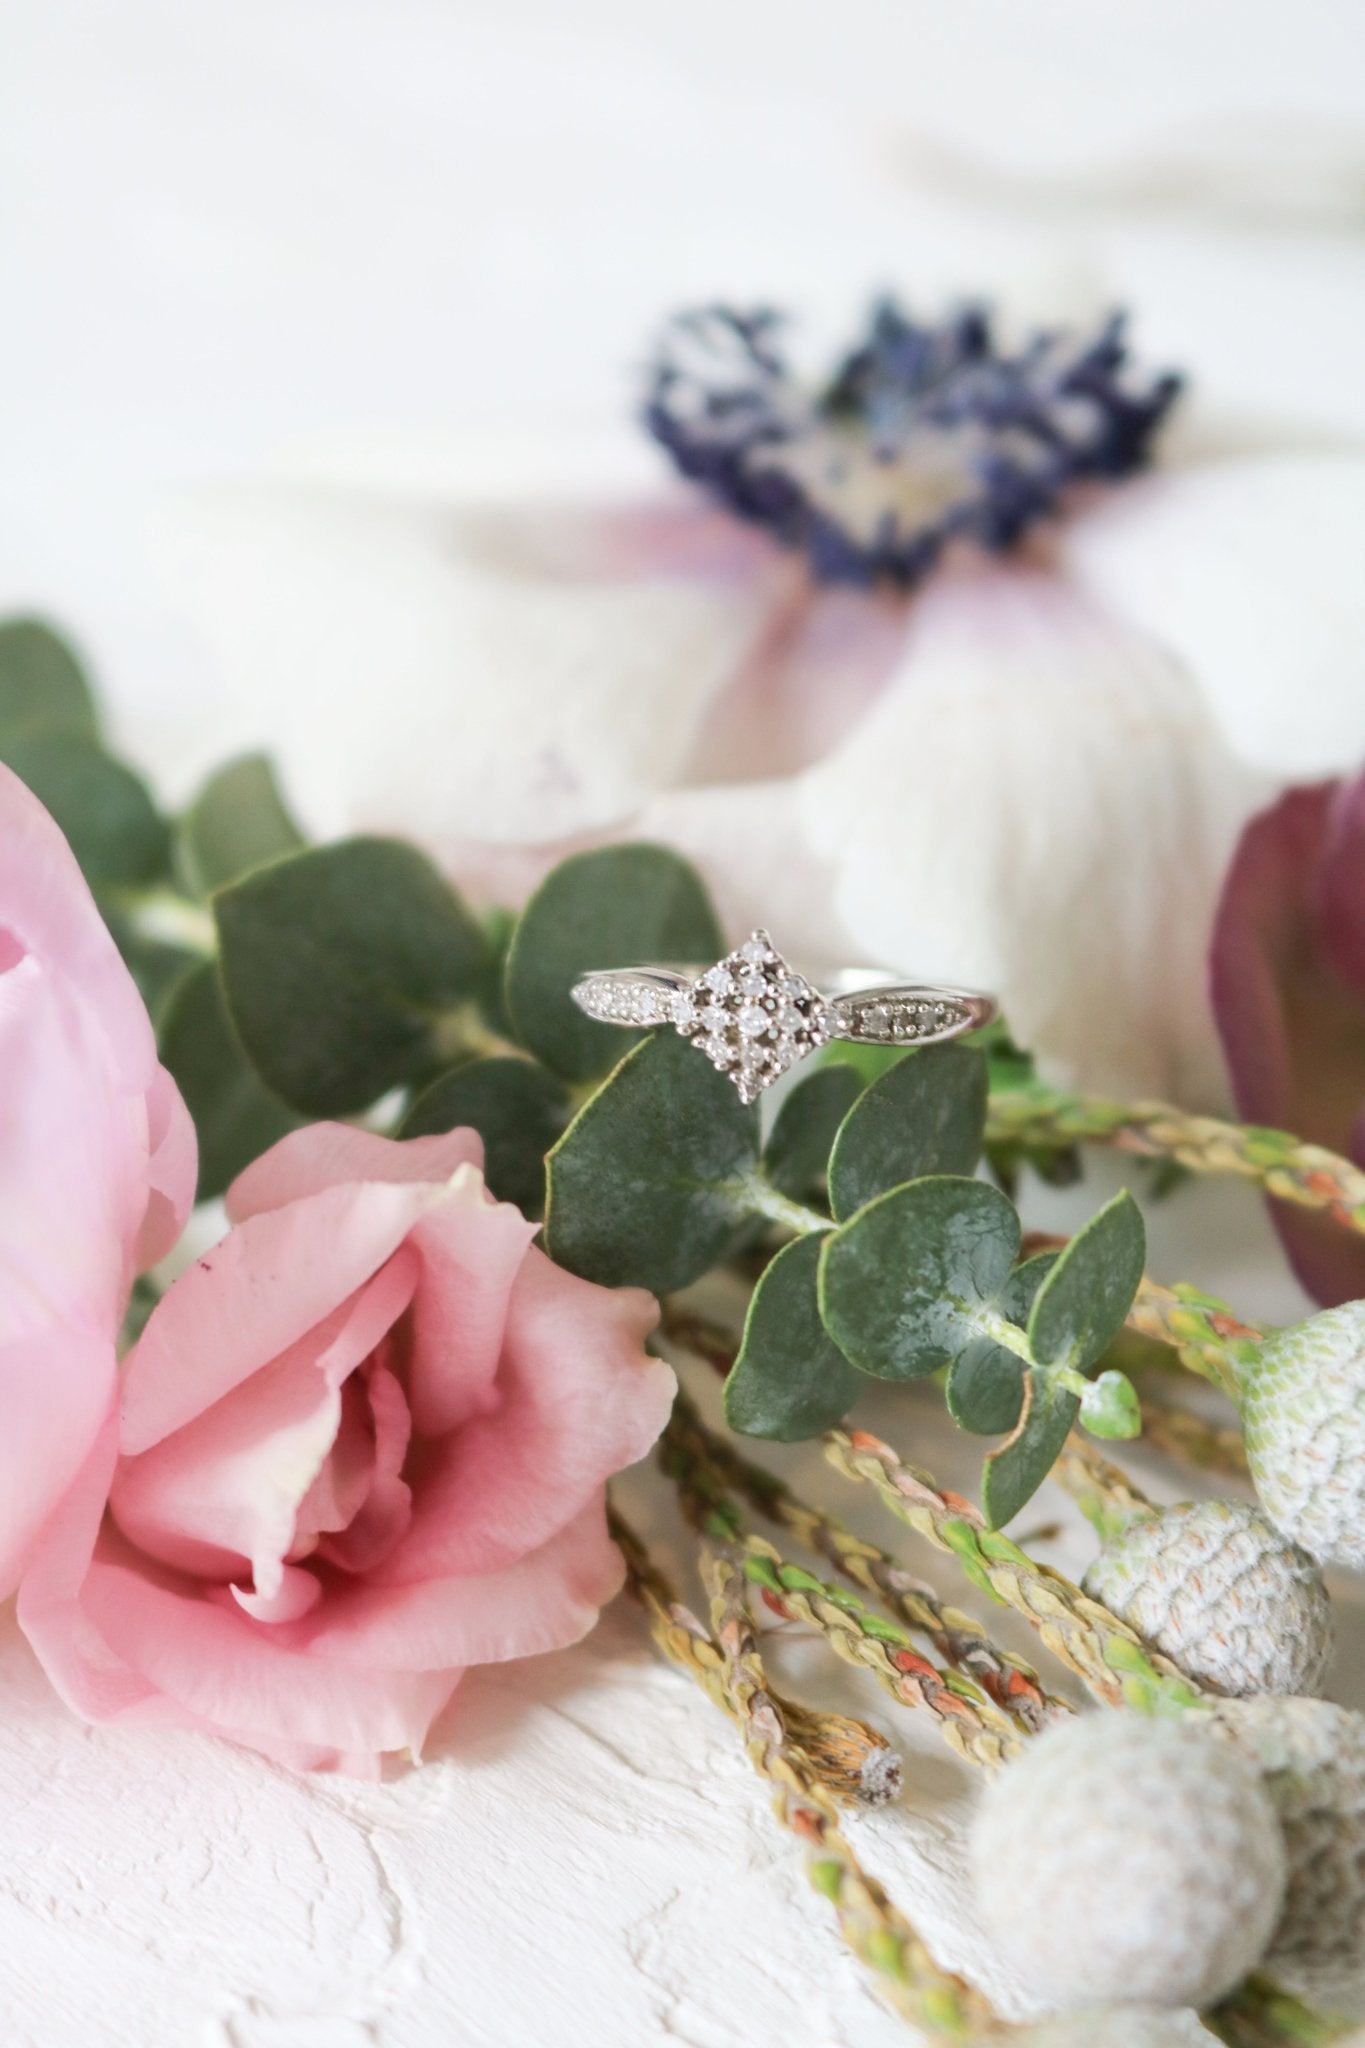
(900, 1019)
(753, 1016)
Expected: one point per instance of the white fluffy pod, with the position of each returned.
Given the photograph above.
(1312, 1758)
(1127, 1860)
(1303, 1413)
(1216, 1588)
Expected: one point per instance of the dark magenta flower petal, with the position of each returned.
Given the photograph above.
(1287, 975)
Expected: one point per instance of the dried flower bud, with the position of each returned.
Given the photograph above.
(1215, 1587)
(1303, 1412)
(1124, 1859)
(1312, 1757)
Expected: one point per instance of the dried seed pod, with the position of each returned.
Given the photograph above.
(1312, 1758)
(1122, 1859)
(1303, 1414)
(1216, 1588)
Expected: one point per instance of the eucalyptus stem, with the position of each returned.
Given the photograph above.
(1090, 1640)
(1308, 1175)
(163, 914)
(942, 2005)
(959, 1639)
(758, 1194)
(1207, 1336)
(464, 1033)
(970, 1722)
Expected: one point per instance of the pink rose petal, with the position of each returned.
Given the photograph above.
(456, 1329)
(172, 1170)
(297, 1592)
(323, 1155)
(224, 1490)
(264, 1288)
(548, 1599)
(218, 1663)
(504, 1483)
(57, 1385)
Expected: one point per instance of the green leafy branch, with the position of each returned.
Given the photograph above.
(899, 1265)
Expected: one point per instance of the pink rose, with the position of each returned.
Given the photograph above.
(363, 1445)
(97, 1167)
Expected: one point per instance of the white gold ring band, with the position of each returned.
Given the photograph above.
(754, 1016)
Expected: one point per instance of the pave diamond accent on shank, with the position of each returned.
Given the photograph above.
(900, 1019)
(754, 1016)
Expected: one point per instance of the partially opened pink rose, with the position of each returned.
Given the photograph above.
(363, 1444)
(97, 1166)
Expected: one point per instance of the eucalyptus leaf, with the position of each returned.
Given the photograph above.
(237, 822)
(1081, 1306)
(106, 813)
(985, 1390)
(918, 1276)
(1110, 1407)
(650, 1185)
(235, 1117)
(1013, 1474)
(42, 684)
(349, 969)
(926, 1115)
(789, 1380)
(518, 1110)
(618, 906)
(796, 1156)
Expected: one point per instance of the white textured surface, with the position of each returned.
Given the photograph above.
(249, 220)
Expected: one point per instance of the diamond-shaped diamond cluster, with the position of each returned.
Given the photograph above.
(753, 1015)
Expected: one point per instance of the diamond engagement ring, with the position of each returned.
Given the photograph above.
(754, 1016)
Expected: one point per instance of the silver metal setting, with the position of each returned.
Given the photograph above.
(754, 1016)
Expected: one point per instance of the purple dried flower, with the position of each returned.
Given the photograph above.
(924, 435)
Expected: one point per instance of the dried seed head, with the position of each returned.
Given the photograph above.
(854, 1759)
(1122, 1859)
(1303, 1413)
(1215, 1587)
(1312, 1758)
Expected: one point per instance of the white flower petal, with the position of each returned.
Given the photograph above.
(750, 843)
(1040, 807)
(464, 673)
(1249, 572)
